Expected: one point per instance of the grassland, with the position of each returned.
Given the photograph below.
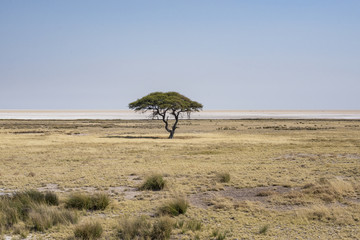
(285, 179)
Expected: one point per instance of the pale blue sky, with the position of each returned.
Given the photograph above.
(231, 54)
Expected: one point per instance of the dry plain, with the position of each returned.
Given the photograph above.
(289, 179)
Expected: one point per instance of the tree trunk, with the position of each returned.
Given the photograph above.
(171, 134)
(172, 131)
(166, 121)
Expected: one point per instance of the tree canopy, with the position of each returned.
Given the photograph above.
(165, 104)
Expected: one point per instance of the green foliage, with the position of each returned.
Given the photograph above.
(88, 231)
(167, 100)
(165, 104)
(88, 202)
(154, 182)
(175, 207)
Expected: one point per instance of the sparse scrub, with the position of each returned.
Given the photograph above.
(259, 160)
(175, 206)
(81, 201)
(153, 182)
(88, 231)
(223, 177)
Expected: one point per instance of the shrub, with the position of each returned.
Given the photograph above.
(88, 231)
(162, 228)
(154, 182)
(223, 177)
(89, 202)
(175, 207)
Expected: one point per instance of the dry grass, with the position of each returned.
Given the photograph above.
(114, 157)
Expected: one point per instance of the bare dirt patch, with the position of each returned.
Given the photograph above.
(260, 194)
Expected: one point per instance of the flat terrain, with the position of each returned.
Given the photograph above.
(289, 179)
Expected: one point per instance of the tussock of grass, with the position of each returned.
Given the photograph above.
(174, 207)
(329, 190)
(88, 231)
(219, 235)
(154, 182)
(81, 201)
(51, 198)
(194, 225)
(162, 228)
(142, 228)
(44, 217)
(33, 210)
(223, 177)
(263, 230)
(130, 228)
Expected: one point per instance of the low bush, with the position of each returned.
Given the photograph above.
(174, 207)
(88, 231)
(88, 202)
(153, 182)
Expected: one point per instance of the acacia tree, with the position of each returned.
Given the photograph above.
(165, 104)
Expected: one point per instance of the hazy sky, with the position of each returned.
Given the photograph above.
(231, 54)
